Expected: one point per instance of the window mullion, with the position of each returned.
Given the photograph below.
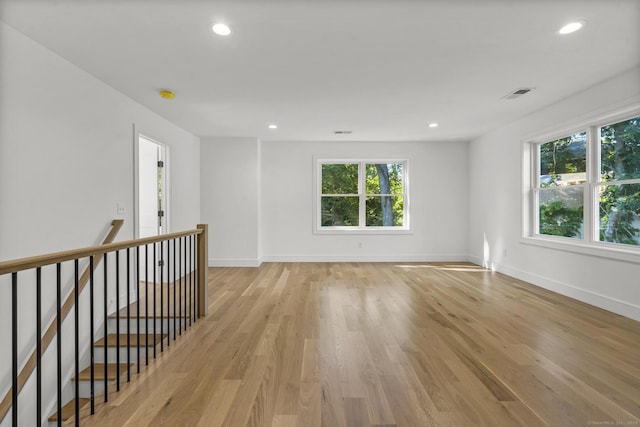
(587, 215)
(535, 189)
(592, 214)
(362, 188)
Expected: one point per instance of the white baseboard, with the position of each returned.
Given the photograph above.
(234, 262)
(593, 298)
(367, 258)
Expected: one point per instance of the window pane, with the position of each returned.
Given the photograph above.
(620, 150)
(561, 211)
(564, 161)
(340, 178)
(384, 178)
(620, 214)
(340, 211)
(385, 211)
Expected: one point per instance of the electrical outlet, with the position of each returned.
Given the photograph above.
(120, 209)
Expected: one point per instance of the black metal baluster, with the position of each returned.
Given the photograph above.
(138, 308)
(39, 345)
(154, 304)
(155, 285)
(128, 315)
(59, 339)
(14, 347)
(190, 283)
(161, 306)
(91, 335)
(76, 315)
(106, 337)
(146, 303)
(169, 292)
(196, 300)
(187, 305)
(174, 290)
(180, 277)
(193, 279)
(117, 320)
(184, 284)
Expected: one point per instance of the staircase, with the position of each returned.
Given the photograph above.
(126, 340)
(148, 336)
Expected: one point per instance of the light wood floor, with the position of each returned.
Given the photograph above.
(387, 345)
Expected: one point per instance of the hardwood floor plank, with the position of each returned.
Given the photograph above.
(284, 421)
(387, 344)
(215, 409)
(355, 412)
(310, 409)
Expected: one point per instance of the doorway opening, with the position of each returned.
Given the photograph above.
(152, 216)
(151, 203)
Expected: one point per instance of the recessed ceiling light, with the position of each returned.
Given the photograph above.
(571, 27)
(221, 29)
(273, 126)
(433, 125)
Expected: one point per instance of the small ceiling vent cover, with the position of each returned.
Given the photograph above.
(342, 132)
(518, 92)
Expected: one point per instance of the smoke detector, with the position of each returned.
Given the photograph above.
(518, 93)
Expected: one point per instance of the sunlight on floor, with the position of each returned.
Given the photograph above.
(448, 267)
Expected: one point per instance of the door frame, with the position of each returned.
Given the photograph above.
(137, 134)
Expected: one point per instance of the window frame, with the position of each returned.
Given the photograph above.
(362, 228)
(590, 242)
(536, 188)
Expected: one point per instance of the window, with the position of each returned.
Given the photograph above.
(368, 195)
(561, 185)
(619, 185)
(586, 185)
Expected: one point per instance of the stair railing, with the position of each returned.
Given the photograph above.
(178, 265)
(50, 333)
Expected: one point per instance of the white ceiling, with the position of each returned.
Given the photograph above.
(383, 69)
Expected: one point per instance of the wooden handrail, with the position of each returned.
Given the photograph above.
(48, 336)
(21, 264)
(107, 246)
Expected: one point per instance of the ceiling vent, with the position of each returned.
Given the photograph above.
(517, 93)
(342, 132)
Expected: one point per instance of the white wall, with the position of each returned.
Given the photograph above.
(66, 154)
(495, 205)
(230, 197)
(66, 160)
(438, 199)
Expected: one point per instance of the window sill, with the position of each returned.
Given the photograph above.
(361, 231)
(596, 249)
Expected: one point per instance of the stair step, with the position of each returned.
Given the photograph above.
(133, 311)
(133, 340)
(98, 372)
(69, 410)
(140, 325)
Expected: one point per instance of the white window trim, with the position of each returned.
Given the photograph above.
(363, 229)
(588, 245)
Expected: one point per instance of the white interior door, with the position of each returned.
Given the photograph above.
(151, 196)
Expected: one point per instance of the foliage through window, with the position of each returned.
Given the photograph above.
(563, 172)
(588, 184)
(619, 187)
(362, 195)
